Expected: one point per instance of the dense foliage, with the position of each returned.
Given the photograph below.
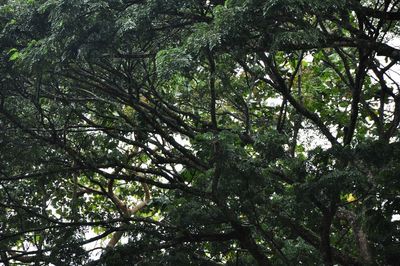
(194, 132)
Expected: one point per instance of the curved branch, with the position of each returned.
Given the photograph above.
(279, 84)
(375, 13)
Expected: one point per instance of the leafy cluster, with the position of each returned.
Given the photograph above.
(194, 132)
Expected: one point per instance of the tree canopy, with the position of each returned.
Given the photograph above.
(199, 132)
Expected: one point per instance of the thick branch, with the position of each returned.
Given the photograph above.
(356, 94)
(212, 90)
(127, 212)
(359, 234)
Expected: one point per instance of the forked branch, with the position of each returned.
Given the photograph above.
(125, 210)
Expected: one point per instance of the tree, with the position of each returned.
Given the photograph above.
(230, 132)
